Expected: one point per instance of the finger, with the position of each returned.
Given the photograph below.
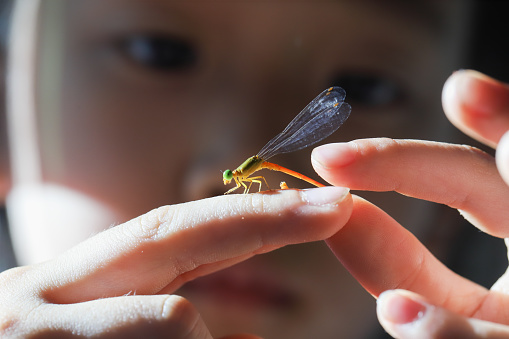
(502, 157)
(162, 316)
(161, 250)
(478, 105)
(383, 255)
(407, 315)
(459, 176)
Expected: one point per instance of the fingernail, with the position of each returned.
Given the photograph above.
(399, 307)
(328, 195)
(334, 155)
(481, 94)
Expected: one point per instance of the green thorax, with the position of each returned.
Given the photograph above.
(250, 165)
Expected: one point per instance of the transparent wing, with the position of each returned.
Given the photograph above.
(319, 119)
(327, 98)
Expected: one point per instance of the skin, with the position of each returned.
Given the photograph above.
(437, 302)
(179, 128)
(92, 287)
(449, 307)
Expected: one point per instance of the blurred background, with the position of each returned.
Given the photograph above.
(469, 250)
(488, 53)
(7, 259)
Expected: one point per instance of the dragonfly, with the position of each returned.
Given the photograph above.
(319, 119)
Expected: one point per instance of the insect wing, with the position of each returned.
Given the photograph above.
(317, 129)
(330, 96)
(319, 119)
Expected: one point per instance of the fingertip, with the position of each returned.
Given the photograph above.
(399, 307)
(329, 195)
(454, 94)
(403, 314)
(330, 161)
(330, 156)
(449, 97)
(331, 204)
(477, 104)
(502, 157)
(476, 92)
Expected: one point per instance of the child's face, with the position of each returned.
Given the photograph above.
(158, 97)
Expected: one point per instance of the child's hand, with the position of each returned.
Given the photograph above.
(119, 282)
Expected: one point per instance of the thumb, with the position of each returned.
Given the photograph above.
(405, 314)
(154, 316)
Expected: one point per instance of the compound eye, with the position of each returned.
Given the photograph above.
(227, 175)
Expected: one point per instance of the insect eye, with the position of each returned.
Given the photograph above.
(369, 89)
(227, 175)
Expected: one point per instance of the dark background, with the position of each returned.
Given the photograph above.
(472, 253)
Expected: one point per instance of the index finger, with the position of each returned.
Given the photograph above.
(159, 251)
(459, 176)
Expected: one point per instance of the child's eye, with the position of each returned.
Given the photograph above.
(369, 90)
(159, 52)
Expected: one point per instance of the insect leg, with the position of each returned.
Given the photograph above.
(246, 188)
(234, 188)
(254, 179)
